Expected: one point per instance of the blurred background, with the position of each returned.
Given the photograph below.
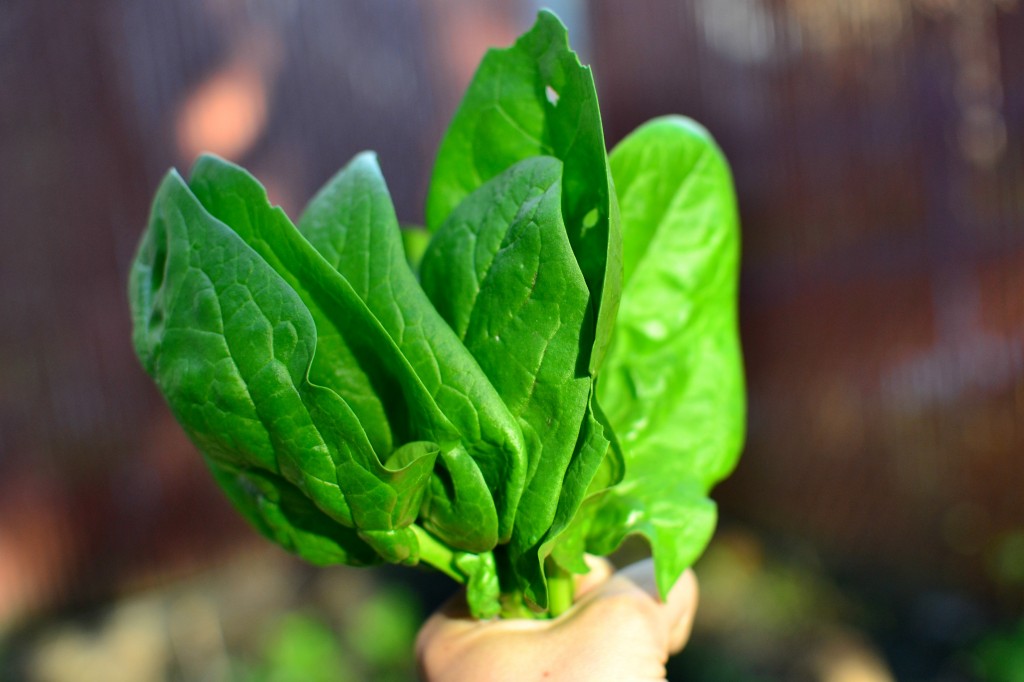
(874, 529)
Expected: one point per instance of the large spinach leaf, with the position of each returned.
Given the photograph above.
(352, 223)
(535, 98)
(672, 386)
(230, 344)
(520, 306)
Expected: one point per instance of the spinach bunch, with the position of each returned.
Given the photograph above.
(560, 367)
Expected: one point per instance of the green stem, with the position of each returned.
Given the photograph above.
(437, 554)
(560, 589)
(513, 606)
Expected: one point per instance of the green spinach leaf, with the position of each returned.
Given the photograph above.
(352, 223)
(238, 200)
(230, 344)
(520, 306)
(672, 387)
(286, 516)
(535, 98)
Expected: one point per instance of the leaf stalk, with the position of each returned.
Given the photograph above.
(438, 555)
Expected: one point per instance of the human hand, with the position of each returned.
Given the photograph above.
(618, 630)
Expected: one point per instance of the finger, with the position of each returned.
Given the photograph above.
(677, 612)
(623, 629)
(680, 609)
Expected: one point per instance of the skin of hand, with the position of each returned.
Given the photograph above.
(617, 631)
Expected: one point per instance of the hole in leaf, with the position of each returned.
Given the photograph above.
(551, 94)
(590, 219)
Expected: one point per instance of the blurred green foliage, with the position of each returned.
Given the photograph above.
(383, 631)
(303, 649)
(999, 657)
(374, 641)
(1007, 561)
